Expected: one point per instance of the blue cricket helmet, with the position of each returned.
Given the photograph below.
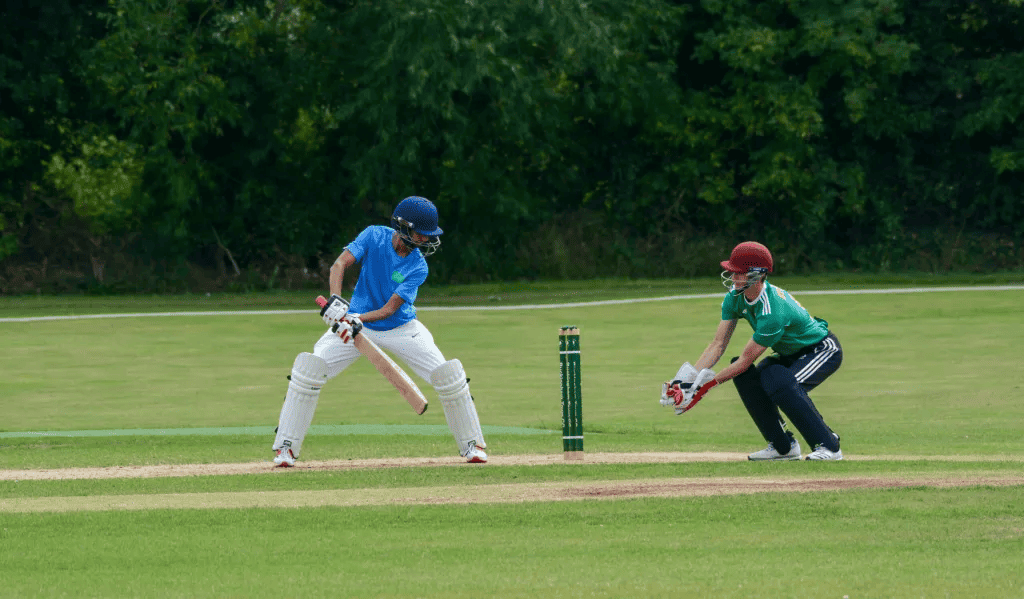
(417, 214)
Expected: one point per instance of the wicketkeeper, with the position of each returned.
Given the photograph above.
(806, 354)
(393, 268)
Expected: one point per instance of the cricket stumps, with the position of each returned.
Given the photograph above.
(572, 404)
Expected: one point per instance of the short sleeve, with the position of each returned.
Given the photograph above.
(358, 247)
(729, 309)
(410, 287)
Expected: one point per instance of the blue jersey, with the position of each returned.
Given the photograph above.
(384, 273)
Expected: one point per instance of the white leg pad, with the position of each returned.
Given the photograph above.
(309, 373)
(449, 379)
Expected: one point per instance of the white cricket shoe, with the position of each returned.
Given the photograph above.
(284, 458)
(824, 453)
(475, 455)
(771, 454)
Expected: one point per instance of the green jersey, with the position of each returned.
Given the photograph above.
(778, 320)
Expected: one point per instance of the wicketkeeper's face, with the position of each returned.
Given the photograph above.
(739, 280)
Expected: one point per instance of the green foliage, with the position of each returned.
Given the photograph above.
(485, 108)
(40, 94)
(99, 181)
(8, 242)
(254, 136)
(956, 150)
(778, 83)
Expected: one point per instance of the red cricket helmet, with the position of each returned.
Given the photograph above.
(747, 256)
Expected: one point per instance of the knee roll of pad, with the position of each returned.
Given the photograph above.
(449, 378)
(309, 373)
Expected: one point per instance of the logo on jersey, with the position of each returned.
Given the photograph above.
(397, 277)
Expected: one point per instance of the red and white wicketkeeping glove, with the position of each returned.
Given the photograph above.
(686, 395)
(671, 390)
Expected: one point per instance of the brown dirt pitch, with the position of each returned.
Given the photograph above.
(794, 482)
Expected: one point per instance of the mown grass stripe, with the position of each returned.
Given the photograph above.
(316, 429)
(494, 493)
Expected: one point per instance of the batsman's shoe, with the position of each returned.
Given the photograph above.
(284, 458)
(824, 453)
(475, 455)
(770, 453)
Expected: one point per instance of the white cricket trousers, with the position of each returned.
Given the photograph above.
(411, 342)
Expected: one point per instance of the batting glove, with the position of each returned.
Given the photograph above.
(349, 328)
(335, 309)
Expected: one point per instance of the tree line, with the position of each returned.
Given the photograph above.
(179, 144)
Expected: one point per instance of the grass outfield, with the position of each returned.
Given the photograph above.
(926, 393)
(909, 542)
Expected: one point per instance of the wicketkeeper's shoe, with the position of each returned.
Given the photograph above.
(824, 453)
(770, 453)
(284, 458)
(475, 455)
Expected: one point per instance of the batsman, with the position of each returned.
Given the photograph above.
(393, 266)
(806, 353)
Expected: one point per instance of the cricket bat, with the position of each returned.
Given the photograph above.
(387, 367)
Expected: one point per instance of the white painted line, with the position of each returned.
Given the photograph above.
(145, 314)
(890, 291)
(719, 295)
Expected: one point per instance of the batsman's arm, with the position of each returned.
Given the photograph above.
(393, 304)
(337, 275)
(713, 352)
